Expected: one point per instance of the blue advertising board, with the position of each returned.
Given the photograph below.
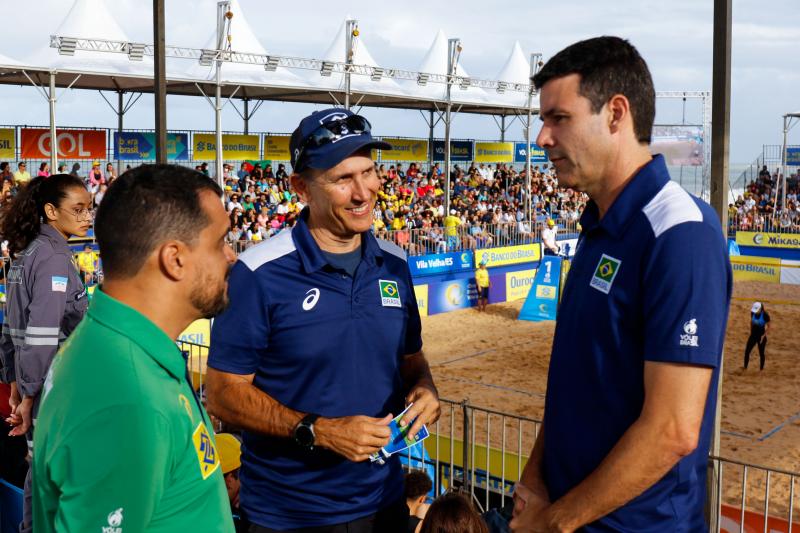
(451, 295)
(542, 301)
(427, 265)
(538, 154)
(141, 146)
(459, 150)
(793, 156)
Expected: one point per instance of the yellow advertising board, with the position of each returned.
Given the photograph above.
(494, 152)
(405, 150)
(508, 255)
(276, 147)
(753, 268)
(8, 143)
(421, 293)
(518, 284)
(768, 240)
(233, 147)
(198, 332)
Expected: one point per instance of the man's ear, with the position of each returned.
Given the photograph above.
(619, 112)
(173, 259)
(300, 186)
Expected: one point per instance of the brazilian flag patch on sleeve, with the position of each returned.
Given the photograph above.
(390, 294)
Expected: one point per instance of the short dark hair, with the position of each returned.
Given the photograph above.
(146, 206)
(417, 484)
(607, 66)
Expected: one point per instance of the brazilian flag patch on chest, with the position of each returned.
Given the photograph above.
(390, 294)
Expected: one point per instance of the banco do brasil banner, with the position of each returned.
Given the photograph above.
(141, 146)
(233, 146)
(405, 150)
(508, 255)
(538, 154)
(768, 240)
(7, 143)
(71, 144)
(494, 152)
(459, 150)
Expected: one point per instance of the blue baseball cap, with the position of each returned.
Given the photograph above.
(327, 137)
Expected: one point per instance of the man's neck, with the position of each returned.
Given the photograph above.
(335, 244)
(622, 170)
(138, 294)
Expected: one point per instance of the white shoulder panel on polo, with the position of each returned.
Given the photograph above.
(670, 207)
(392, 248)
(269, 250)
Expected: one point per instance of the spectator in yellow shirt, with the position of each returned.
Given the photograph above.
(451, 224)
(22, 176)
(87, 261)
(483, 282)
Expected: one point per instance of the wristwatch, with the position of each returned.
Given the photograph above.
(304, 432)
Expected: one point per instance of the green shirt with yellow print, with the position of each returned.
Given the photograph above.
(122, 444)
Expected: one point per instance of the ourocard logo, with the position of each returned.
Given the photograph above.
(689, 337)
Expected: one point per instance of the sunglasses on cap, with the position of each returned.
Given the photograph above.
(330, 132)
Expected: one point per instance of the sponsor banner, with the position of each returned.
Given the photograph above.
(793, 156)
(404, 150)
(198, 332)
(568, 246)
(451, 295)
(459, 150)
(426, 265)
(8, 143)
(542, 300)
(71, 144)
(141, 146)
(680, 145)
(790, 272)
(277, 147)
(754, 268)
(730, 521)
(494, 152)
(233, 146)
(518, 284)
(508, 255)
(421, 294)
(768, 240)
(538, 154)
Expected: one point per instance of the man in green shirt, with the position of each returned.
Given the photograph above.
(123, 443)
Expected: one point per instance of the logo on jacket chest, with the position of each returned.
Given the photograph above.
(605, 273)
(390, 293)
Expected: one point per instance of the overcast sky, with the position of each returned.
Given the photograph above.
(675, 38)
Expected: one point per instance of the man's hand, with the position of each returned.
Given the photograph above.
(426, 408)
(353, 437)
(533, 520)
(21, 417)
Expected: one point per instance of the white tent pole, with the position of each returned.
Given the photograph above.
(453, 51)
(783, 160)
(51, 97)
(120, 119)
(223, 8)
(351, 32)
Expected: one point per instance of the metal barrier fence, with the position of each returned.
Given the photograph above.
(483, 452)
(434, 240)
(774, 223)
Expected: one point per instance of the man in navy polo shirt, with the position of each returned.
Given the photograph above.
(633, 374)
(321, 347)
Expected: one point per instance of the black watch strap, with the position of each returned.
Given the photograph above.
(304, 431)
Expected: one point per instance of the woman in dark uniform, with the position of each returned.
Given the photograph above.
(759, 325)
(45, 294)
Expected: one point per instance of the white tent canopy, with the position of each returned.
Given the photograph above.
(361, 56)
(516, 70)
(435, 62)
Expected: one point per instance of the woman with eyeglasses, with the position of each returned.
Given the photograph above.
(46, 298)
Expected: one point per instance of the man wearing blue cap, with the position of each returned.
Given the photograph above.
(321, 348)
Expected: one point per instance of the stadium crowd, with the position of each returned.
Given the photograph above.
(759, 208)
